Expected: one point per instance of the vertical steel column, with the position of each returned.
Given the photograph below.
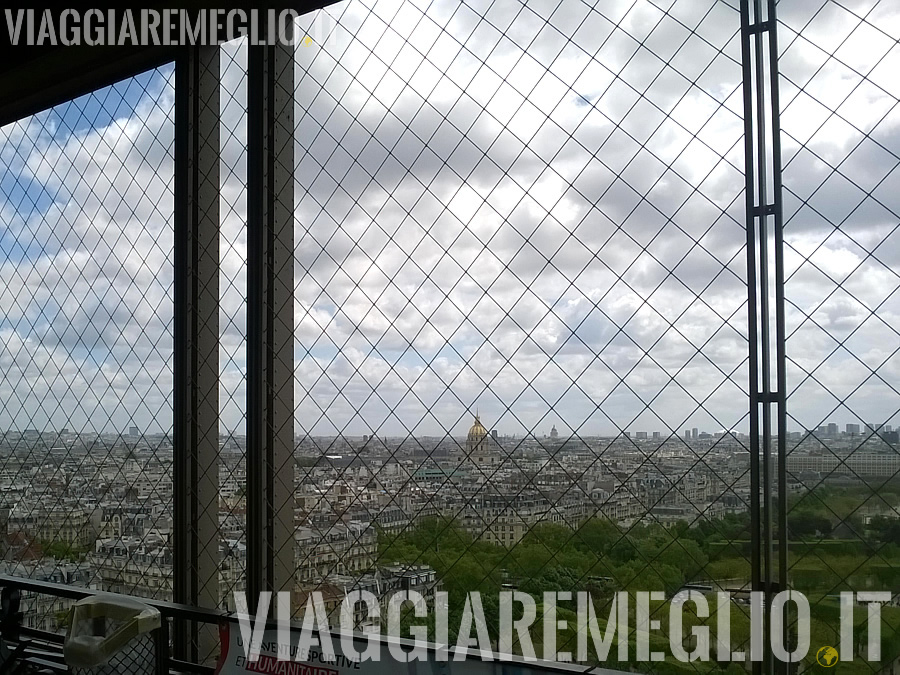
(753, 338)
(270, 319)
(780, 396)
(196, 396)
(761, 124)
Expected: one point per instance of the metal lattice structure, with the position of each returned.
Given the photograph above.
(87, 342)
(841, 214)
(233, 470)
(467, 296)
(524, 245)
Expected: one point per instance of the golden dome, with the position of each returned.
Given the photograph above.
(477, 431)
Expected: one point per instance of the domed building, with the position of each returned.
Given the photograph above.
(478, 445)
(476, 441)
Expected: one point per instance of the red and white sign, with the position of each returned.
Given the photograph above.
(275, 658)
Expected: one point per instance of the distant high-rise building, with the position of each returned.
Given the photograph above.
(888, 428)
(641, 435)
(852, 430)
(133, 431)
(687, 434)
(832, 430)
(554, 433)
(494, 434)
(694, 433)
(655, 435)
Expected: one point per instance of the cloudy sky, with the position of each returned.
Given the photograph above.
(532, 211)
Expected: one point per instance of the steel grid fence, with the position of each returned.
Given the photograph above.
(514, 218)
(520, 316)
(86, 402)
(233, 320)
(840, 152)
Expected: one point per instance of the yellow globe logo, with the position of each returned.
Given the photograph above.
(827, 656)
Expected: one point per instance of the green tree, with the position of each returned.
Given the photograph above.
(803, 524)
(885, 530)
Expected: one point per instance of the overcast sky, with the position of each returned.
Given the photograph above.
(532, 211)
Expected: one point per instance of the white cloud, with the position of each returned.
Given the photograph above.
(465, 206)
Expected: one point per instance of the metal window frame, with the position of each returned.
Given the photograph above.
(196, 395)
(270, 288)
(270, 319)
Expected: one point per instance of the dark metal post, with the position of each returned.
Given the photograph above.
(780, 334)
(753, 340)
(270, 319)
(196, 396)
(761, 119)
(161, 647)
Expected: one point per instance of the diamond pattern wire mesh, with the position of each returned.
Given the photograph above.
(86, 343)
(529, 217)
(232, 321)
(510, 217)
(841, 155)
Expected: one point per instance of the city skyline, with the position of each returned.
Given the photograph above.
(502, 328)
(827, 429)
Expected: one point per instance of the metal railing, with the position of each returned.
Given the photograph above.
(50, 643)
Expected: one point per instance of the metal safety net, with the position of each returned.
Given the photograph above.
(840, 151)
(521, 347)
(86, 275)
(521, 338)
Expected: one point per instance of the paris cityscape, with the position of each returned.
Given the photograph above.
(519, 276)
(96, 510)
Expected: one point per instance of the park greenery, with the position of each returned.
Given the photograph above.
(841, 538)
(63, 550)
